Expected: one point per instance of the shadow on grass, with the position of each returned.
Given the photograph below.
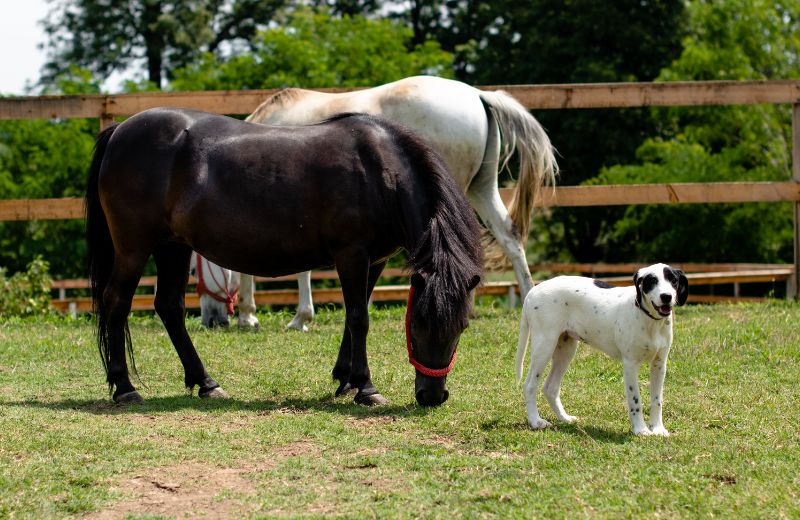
(342, 405)
(592, 432)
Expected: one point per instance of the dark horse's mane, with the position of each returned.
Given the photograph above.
(449, 253)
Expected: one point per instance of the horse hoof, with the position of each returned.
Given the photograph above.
(370, 400)
(129, 398)
(215, 393)
(297, 325)
(345, 389)
(248, 322)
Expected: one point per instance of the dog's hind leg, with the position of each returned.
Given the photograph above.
(562, 356)
(542, 347)
(631, 378)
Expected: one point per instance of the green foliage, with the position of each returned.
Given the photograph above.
(317, 50)
(26, 293)
(43, 159)
(165, 34)
(552, 41)
(732, 40)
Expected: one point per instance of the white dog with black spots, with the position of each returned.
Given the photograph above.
(632, 324)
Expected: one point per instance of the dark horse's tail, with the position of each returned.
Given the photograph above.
(100, 249)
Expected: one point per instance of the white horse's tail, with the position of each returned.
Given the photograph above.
(524, 336)
(520, 131)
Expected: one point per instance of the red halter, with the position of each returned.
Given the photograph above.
(230, 297)
(430, 372)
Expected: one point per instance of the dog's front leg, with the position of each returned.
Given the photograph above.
(631, 378)
(658, 370)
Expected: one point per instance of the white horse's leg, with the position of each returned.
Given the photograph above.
(247, 302)
(484, 196)
(305, 307)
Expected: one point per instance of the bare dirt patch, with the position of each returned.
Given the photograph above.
(196, 490)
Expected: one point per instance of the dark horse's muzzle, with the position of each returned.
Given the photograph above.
(430, 391)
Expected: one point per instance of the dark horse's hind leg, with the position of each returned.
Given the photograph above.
(116, 305)
(172, 264)
(352, 369)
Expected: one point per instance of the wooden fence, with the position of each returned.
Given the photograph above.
(573, 96)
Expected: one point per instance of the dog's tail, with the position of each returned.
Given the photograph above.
(524, 336)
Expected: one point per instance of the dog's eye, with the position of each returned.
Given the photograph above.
(649, 282)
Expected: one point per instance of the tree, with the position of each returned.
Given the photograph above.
(317, 50)
(105, 36)
(580, 41)
(42, 159)
(733, 40)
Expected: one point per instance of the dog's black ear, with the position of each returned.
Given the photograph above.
(638, 287)
(683, 287)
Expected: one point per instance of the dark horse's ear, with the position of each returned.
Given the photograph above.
(683, 287)
(474, 282)
(417, 281)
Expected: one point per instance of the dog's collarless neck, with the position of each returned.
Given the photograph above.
(638, 303)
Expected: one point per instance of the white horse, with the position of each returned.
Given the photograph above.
(475, 132)
(218, 289)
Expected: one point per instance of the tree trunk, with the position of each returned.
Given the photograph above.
(153, 40)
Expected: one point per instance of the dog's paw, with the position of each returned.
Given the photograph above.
(568, 418)
(642, 431)
(659, 430)
(538, 424)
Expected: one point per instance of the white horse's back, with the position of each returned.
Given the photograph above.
(447, 114)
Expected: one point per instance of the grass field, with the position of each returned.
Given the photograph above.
(283, 446)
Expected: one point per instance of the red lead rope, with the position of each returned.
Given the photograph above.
(430, 372)
(230, 297)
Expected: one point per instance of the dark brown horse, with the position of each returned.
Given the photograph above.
(272, 201)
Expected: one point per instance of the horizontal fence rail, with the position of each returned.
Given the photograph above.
(594, 95)
(698, 274)
(565, 196)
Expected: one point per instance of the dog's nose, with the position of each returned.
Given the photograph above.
(666, 297)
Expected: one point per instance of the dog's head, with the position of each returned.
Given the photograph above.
(659, 288)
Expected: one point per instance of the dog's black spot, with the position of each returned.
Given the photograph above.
(566, 304)
(637, 409)
(576, 290)
(631, 410)
(635, 399)
(630, 388)
(555, 301)
(603, 285)
(536, 308)
(648, 282)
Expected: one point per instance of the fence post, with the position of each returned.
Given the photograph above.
(794, 288)
(105, 119)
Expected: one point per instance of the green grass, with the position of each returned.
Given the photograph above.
(284, 446)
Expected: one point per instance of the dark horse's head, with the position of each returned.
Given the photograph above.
(447, 265)
(432, 333)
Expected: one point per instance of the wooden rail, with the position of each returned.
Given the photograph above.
(594, 95)
(572, 196)
(698, 274)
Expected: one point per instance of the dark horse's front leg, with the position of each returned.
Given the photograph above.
(358, 279)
